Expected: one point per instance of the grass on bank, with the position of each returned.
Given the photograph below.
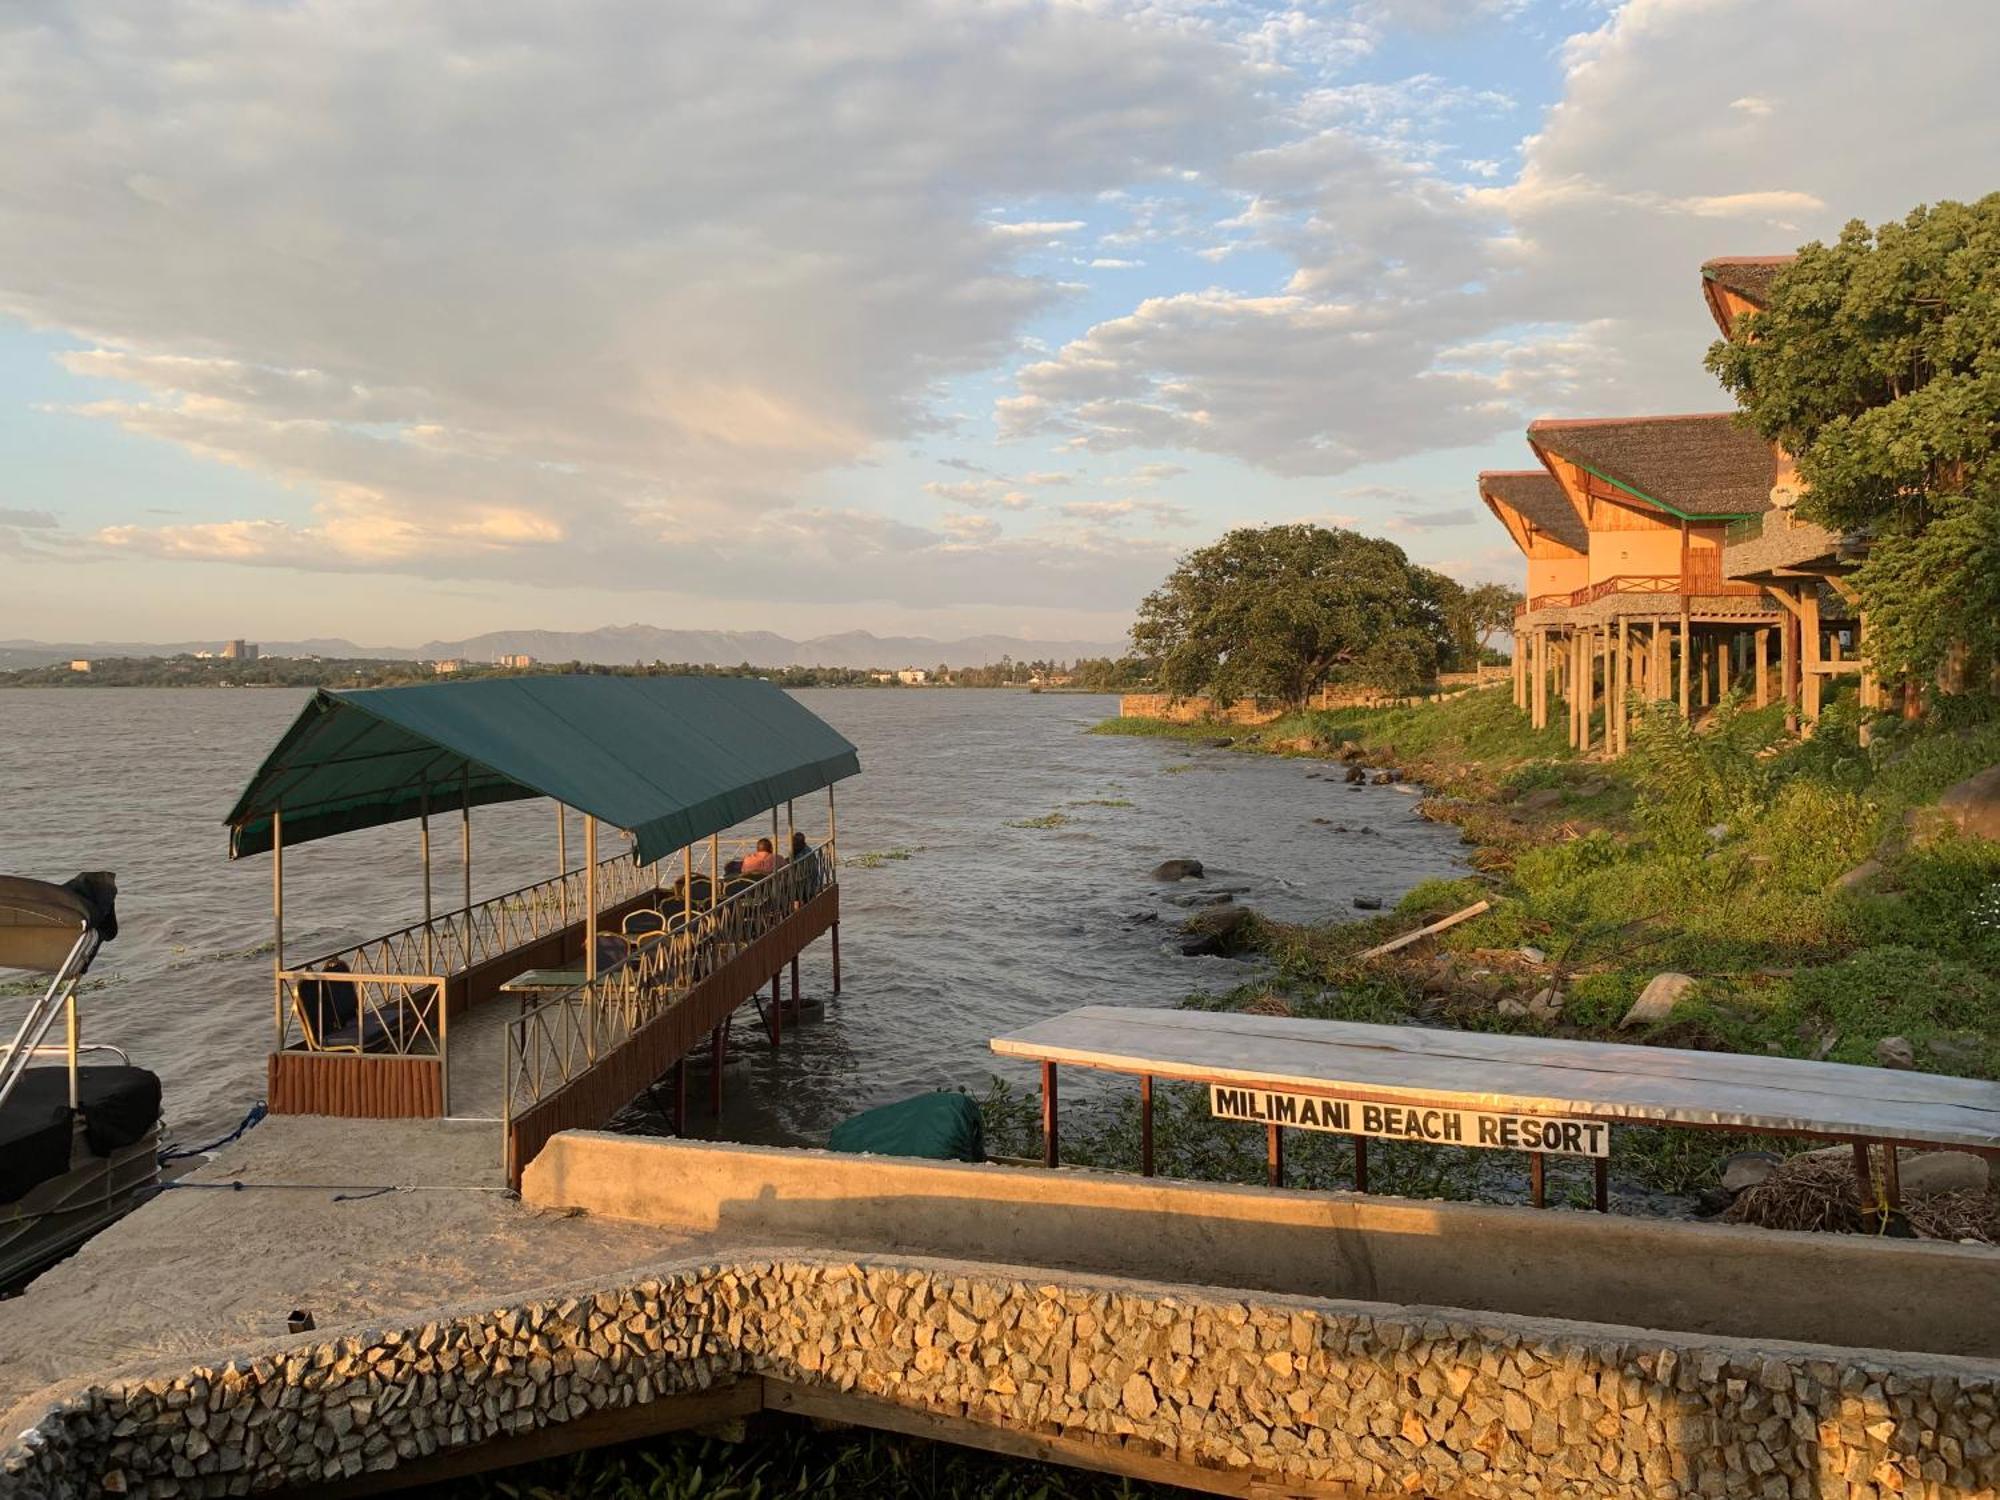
(1715, 850)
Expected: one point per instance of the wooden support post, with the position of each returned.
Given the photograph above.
(1615, 690)
(1600, 1183)
(777, 1014)
(278, 926)
(1360, 1163)
(1864, 1178)
(1722, 678)
(1761, 679)
(834, 935)
(718, 1045)
(1892, 1180)
(1687, 657)
(1050, 1148)
(681, 1096)
(589, 898)
(795, 982)
(1537, 1181)
(1145, 1124)
(1810, 680)
(1274, 1155)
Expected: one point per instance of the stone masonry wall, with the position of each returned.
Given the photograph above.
(1304, 1393)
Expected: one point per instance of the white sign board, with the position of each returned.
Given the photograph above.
(1411, 1122)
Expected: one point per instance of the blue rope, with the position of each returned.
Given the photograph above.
(257, 1112)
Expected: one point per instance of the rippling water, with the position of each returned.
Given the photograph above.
(984, 927)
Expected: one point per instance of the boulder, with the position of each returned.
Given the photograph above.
(1895, 1052)
(1972, 808)
(1367, 903)
(1382, 778)
(1657, 1000)
(1178, 869)
(1218, 742)
(1203, 898)
(1534, 955)
(1861, 875)
(1547, 1004)
(1541, 798)
(1748, 1168)
(1356, 775)
(1928, 1172)
(1220, 932)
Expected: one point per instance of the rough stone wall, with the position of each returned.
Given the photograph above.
(1385, 1400)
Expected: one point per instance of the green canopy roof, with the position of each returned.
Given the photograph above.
(669, 759)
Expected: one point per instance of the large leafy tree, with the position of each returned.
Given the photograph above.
(1877, 366)
(1489, 610)
(1273, 613)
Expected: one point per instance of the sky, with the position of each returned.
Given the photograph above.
(402, 320)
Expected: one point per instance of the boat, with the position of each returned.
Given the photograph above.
(79, 1125)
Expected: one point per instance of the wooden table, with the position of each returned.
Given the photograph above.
(1418, 1078)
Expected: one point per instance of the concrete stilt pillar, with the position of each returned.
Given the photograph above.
(1687, 658)
(1810, 680)
(1762, 670)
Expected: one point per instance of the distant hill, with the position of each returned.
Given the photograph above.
(617, 645)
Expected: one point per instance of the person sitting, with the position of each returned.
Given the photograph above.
(800, 848)
(762, 860)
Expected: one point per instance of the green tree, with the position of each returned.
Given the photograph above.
(1491, 608)
(1273, 613)
(1877, 367)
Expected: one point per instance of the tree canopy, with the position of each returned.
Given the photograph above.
(1273, 613)
(1877, 367)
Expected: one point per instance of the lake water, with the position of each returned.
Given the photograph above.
(983, 927)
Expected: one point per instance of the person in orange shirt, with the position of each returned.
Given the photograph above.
(762, 860)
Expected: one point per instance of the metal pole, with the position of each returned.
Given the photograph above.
(589, 897)
(278, 924)
(562, 859)
(1049, 1145)
(424, 847)
(832, 828)
(465, 852)
(1145, 1124)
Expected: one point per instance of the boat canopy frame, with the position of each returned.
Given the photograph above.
(670, 760)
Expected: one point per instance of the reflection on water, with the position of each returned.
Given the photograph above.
(983, 927)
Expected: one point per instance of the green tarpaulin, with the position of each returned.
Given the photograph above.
(944, 1126)
(668, 759)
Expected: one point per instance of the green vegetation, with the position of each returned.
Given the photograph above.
(1046, 820)
(1875, 367)
(1102, 802)
(876, 858)
(782, 1456)
(1273, 613)
(1714, 850)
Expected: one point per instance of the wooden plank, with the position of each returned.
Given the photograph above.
(1423, 932)
(355, 1086)
(1535, 1075)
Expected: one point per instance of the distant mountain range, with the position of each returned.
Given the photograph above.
(620, 645)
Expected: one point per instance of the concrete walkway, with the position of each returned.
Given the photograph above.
(205, 1264)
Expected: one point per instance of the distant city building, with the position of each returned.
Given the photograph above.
(79, 665)
(913, 676)
(240, 651)
(882, 676)
(520, 661)
(448, 666)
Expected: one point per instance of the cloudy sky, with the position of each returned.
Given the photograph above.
(401, 319)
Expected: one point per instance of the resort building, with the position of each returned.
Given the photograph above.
(1788, 557)
(1664, 559)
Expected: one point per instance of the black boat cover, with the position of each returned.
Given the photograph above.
(119, 1105)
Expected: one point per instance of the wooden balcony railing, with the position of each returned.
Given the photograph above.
(1701, 585)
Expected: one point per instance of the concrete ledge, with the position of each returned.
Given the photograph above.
(1844, 1290)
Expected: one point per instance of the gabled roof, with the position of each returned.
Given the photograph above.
(668, 759)
(1705, 467)
(1538, 498)
(1749, 276)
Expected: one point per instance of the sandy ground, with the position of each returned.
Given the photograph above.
(203, 1267)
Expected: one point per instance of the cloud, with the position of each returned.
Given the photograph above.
(1046, 477)
(1108, 263)
(980, 494)
(1113, 512)
(1423, 314)
(28, 520)
(1153, 474)
(545, 285)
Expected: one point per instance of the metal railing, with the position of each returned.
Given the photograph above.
(454, 941)
(329, 1010)
(560, 1039)
(1742, 529)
